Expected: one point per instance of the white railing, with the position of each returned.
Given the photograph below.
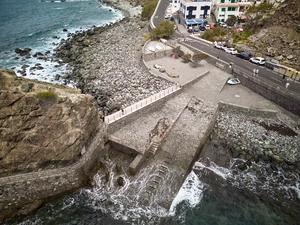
(136, 106)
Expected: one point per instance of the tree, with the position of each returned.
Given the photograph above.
(231, 20)
(148, 9)
(177, 51)
(197, 57)
(186, 57)
(163, 30)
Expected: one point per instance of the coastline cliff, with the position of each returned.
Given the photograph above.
(45, 129)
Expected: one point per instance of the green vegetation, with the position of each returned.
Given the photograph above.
(177, 51)
(216, 34)
(241, 37)
(197, 57)
(48, 95)
(163, 30)
(186, 57)
(257, 16)
(148, 9)
(262, 8)
(231, 20)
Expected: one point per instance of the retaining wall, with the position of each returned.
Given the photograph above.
(19, 190)
(157, 55)
(279, 95)
(237, 109)
(129, 114)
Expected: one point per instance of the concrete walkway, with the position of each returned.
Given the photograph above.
(178, 127)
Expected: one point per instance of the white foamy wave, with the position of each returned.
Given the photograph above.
(211, 166)
(191, 191)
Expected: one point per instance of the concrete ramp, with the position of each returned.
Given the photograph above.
(178, 152)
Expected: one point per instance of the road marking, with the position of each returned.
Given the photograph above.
(275, 79)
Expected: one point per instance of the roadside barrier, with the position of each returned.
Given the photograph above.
(139, 105)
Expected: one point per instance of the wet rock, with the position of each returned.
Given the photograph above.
(242, 166)
(119, 168)
(120, 181)
(107, 176)
(27, 87)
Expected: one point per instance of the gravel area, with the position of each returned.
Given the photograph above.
(106, 63)
(254, 139)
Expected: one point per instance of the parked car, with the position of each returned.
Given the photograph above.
(218, 46)
(249, 53)
(168, 16)
(243, 55)
(222, 24)
(202, 28)
(224, 47)
(231, 51)
(163, 40)
(258, 60)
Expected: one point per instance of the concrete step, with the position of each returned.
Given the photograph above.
(153, 148)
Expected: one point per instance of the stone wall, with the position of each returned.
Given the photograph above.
(157, 55)
(19, 191)
(153, 106)
(279, 95)
(237, 109)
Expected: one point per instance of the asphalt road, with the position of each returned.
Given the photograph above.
(246, 65)
(160, 12)
(267, 74)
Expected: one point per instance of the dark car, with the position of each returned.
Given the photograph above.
(202, 28)
(243, 55)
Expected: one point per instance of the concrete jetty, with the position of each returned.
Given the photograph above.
(166, 137)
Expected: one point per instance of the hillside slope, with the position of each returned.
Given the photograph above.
(279, 38)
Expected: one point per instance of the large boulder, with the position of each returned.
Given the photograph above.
(44, 126)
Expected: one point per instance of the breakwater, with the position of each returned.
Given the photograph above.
(22, 193)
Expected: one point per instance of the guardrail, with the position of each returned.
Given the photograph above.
(139, 105)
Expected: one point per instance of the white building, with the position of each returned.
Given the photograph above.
(194, 9)
(222, 9)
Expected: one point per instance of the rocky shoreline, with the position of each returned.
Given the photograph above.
(259, 141)
(106, 63)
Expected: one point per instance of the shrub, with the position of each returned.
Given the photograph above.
(197, 57)
(48, 95)
(163, 30)
(186, 57)
(148, 9)
(177, 51)
(215, 34)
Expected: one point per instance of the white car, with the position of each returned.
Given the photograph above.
(168, 16)
(218, 46)
(163, 40)
(231, 51)
(258, 60)
(222, 24)
(224, 47)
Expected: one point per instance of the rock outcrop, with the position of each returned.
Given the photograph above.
(280, 35)
(43, 126)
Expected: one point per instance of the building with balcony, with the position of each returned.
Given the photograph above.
(223, 9)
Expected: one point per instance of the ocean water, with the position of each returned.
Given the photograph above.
(39, 25)
(211, 195)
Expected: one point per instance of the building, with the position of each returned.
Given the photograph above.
(194, 9)
(223, 9)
